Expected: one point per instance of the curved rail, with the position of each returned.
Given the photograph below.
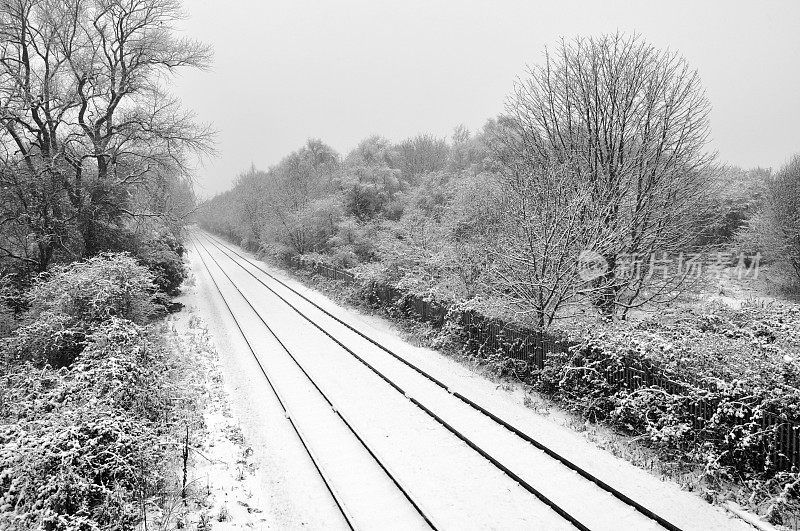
(516, 431)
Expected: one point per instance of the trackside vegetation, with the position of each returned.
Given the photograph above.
(87, 405)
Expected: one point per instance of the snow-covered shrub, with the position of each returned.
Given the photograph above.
(733, 380)
(653, 411)
(107, 285)
(163, 257)
(52, 338)
(69, 302)
(75, 469)
(502, 365)
(80, 445)
(578, 377)
(119, 365)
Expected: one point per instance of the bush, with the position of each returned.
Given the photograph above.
(82, 444)
(709, 384)
(54, 339)
(70, 302)
(104, 286)
(120, 365)
(163, 256)
(84, 408)
(75, 469)
(716, 390)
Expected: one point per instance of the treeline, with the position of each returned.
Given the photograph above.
(598, 164)
(587, 197)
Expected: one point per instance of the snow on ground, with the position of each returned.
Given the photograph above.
(247, 469)
(223, 491)
(666, 498)
(460, 488)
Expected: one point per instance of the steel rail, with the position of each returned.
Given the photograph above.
(483, 453)
(311, 454)
(403, 489)
(516, 431)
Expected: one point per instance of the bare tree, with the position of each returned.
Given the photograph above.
(84, 116)
(631, 122)
(537, 240)
(277, 205)
(784, 196)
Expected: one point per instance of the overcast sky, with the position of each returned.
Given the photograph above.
(285, 71)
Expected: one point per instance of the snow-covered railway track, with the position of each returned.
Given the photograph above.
(353, 520)
(577, 496)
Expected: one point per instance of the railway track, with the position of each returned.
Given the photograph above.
(581, 499)
(338, 498)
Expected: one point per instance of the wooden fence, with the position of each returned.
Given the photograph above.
(534, 346)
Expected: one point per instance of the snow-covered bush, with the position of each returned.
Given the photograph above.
(52, 338)
(80, 446)
(75, 469)
(162, 254)
(111, 284)
(579, 378)
(69, 302)
(713, 388)
(121, 366)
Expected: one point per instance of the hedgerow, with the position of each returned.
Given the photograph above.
(86, 402)
(714, 390)
(81, 445)
(723, 385)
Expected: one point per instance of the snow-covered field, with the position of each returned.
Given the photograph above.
(451, 481)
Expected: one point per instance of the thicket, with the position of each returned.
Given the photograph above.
(738, 384)
(724, 385)
(94, 192)
(85, 405)
(774, 228)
